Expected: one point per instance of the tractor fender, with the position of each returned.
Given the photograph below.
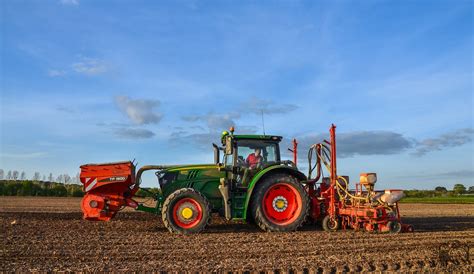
(262, 174)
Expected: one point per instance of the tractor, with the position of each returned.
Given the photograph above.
(250, 183)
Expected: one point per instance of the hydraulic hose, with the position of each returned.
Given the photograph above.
(347, 193)
(311, 168)
(323, 156)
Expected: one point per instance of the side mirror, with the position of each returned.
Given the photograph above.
(216, 154)
(229, 148)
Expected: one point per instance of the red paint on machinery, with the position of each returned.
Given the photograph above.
(108, 187)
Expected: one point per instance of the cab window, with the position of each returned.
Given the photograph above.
(229, 160)
(268, 151)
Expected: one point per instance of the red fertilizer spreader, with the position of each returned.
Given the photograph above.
(108, 188)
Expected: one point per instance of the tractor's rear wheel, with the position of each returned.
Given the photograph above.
(186, 211)
(279, 203)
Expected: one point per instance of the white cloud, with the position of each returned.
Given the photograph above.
(257, 105)
(140, 111)
(354, 143)
(56, 73)
(65, 109)
(253, 106)
(90, 66)
(214, 121)
(86, 65)
(450, 139)
(69, 2)
(134, 133)
(380, 142)
(456, 174)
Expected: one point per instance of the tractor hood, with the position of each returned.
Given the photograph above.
(191, 172)
(191, 167)
(180, 176)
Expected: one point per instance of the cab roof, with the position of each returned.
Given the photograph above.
(259, 137)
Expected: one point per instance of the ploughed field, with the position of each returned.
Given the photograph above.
(48, 234)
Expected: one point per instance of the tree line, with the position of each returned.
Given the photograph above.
(16, 183)
(15, 175)
(39, 188)
(440, 191)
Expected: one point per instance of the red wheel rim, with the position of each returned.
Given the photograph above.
(187, 213)
(282, 204)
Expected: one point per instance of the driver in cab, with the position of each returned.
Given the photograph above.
(254, 159)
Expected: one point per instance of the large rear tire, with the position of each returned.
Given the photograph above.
(186, 211)
(279, 203)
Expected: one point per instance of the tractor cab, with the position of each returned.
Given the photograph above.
(246, 155)
(253, 168)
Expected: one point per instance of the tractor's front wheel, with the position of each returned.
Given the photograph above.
(185, 211)
(279, 203)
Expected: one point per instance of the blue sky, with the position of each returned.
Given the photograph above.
(94, 81)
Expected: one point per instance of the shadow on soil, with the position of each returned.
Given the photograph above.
(424, 224)
(453, 223)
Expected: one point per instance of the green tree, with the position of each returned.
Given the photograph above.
(12, 187)
(59, 190)
(26, 188)
(37, 190)
(459, 189)
(441, 189)
(77, 192)
(471, 190)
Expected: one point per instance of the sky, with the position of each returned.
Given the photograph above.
(85, 81)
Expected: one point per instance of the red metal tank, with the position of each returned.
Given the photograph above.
(108, 187)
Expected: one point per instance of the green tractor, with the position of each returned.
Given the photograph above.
(250, 182)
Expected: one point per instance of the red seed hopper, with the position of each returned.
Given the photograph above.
(108, 188)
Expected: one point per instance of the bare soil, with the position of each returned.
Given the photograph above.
(48, 234)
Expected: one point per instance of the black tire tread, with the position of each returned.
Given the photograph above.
(166, 207)
(257, 213)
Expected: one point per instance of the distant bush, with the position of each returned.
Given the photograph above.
(463, 199)
(422, 193)
(459, 189)
(439, 191)
(39, 188)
